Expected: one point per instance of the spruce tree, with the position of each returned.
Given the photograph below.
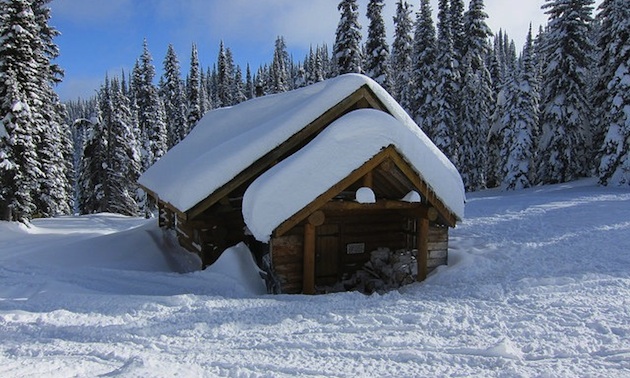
(476, 99)
(239, 86)
(279, 71)
(445, 122)
(194, 87)
(402, 88)
(347, 49)
(93, 176)
(614, 92)
(249, 83)
(225, 77)
(376, 47)
(424, 53)
(20, 169)
(151, 113)
(520, 122)
(459, 32)
(172, 93)
(564, 145)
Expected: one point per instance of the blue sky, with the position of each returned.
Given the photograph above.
(105, 36)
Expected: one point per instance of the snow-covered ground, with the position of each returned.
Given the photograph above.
(538, 284)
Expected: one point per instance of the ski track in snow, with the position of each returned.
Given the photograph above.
(538, 284)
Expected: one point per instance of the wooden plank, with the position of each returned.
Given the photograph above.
(438, 246)
(423, 251)
(438, 254)
(308, 286)
(368, 180)
(279, 153)
(379, 205)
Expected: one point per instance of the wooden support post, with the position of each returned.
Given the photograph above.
(368, 180)
(308, 277)
(423, 248)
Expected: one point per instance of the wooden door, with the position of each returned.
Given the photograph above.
(327, 254)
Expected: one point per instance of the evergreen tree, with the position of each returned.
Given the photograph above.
(347, 49)
(111, 162)
(377, 50)
(151, 117)
(123, 157)
(402, 88)
(279, 72)
(173, 96)
(564, 144)
(521, 122)
(476, 99)
(239, 87)
(614, 92)
(424, 53)
(194, 87)
(249, 83)
(459, 29)
(225, 76)
(93, 176)
(20, 169)
(445, 122)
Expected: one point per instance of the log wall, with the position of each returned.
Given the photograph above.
(384, 229)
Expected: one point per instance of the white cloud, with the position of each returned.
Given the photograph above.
(86, 12)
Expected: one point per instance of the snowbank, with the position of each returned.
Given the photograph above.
(537, 284)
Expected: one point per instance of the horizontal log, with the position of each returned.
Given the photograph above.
(434, 263)
(436, 246)
(381, 204)
(438, 254)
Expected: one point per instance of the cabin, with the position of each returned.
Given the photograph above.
(312, 180)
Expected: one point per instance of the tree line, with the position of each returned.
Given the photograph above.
(553, 113)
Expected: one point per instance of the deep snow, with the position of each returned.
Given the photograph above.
(538, 284)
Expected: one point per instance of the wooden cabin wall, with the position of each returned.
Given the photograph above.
(438, 246)
(287, 256)
(208, 235)
(384, 229)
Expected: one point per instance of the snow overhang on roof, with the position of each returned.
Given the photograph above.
(342, 147)
(227, 141)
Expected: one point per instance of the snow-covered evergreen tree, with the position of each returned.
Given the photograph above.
(401, 66)
(376, 47)
(151, 114)
(172, 92)
(249, 83)
(424, 52)
(239, 86)
(564, 144)
(225, 77)
(520, 122)
(445, 121)
(457, 22)
(614, 92)
(280, 68)
(347, 49)
(111, 159)
(476, 99)
(93, 173)
(32, 113)
(194, 88)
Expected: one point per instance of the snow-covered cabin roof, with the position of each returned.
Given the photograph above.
(227, 141)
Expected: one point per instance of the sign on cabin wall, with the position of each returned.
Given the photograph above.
(355, 248)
